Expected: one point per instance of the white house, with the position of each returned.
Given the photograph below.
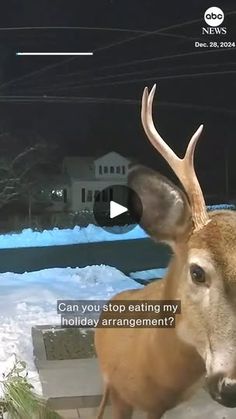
(89, 175)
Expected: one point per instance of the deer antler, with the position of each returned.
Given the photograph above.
(183, 168)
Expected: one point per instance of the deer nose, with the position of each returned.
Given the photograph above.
(223, 390)
(228, 392)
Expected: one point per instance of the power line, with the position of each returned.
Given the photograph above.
(102, 29)
(114, 76)
(169, 77)
(34, 73)
(165, 57)
(86, 71)
(69, 99)
(153, 59)
(93, 28)
(96, 50)
(46, 68)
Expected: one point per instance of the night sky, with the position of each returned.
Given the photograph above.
(91, 105)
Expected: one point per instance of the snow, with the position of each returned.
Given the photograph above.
(221, 207)
(30, 299)
(89, 234)
(56, 237)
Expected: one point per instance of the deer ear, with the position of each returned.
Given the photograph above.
(166, 213)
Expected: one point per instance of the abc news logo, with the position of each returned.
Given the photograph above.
(214, 17)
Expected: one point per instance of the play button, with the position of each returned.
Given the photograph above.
(117, 209)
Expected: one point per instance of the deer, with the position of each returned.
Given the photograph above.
(156, 369)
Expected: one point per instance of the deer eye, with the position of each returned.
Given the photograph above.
(197, 274)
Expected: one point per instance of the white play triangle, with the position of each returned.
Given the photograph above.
(116, 209)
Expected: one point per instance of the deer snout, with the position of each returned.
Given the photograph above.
(223, 389)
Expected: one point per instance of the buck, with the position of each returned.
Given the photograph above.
(155, 369)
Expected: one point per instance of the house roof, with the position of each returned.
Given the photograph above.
(112, 155)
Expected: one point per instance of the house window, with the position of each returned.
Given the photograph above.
(123, 170)
(65, 195)
(97, 196)
(112, 169)
(83, 194)
(118, 169)
(105, 169)
(100, 170)
(105, 195)
(111, 194)
(89, 196)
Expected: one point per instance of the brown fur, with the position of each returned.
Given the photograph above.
(154, 369)
(218, 237)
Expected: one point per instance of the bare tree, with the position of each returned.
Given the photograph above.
(22, 174)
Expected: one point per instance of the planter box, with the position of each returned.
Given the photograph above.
(67, 383)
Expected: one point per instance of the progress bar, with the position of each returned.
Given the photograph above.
(54, 53)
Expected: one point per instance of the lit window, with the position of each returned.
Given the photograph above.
(57, 194)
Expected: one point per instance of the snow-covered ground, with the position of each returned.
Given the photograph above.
(31, 299)
(91, 233)
(56, 237)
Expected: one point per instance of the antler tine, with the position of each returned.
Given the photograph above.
(149, 127)
(192, 185)
(189, 155)
(183, 168)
